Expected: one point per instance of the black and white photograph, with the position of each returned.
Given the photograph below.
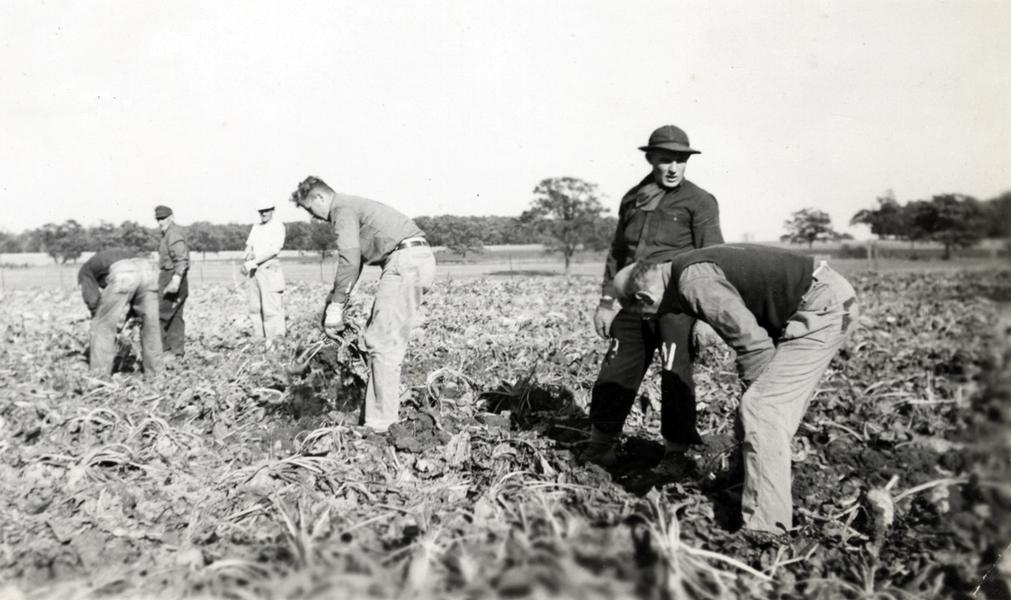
(464, 299)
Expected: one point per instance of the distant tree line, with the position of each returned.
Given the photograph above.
(952, 220)
(66, 242)
(565, 215)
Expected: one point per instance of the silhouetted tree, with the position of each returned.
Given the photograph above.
(808, 225)
(205, 237)
(954, 220)
(566, 212)
(888, 220)
(64, 242)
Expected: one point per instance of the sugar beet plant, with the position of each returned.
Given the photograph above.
(241, 472)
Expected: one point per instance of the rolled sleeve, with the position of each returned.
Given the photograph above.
(704, 290)
(706, 223)
(180, 253)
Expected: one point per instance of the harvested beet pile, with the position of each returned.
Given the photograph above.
(243, 473)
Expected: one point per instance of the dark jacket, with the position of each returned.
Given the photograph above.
(652, 230)
(173, 251)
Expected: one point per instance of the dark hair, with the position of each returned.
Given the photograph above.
(638, 278)
(306, 187)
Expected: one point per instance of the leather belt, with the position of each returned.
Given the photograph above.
(410, 242)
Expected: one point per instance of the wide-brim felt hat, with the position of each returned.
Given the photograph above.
(669, 137)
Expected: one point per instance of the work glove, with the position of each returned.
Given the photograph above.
(173, 286)
(607, 309)
(249, 267)
(333, 320)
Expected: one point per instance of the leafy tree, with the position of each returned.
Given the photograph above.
(103, 235)
(1000, 216)
(135, 236)
(9, 242)
(296, 235)
(808, 225)
(465, 236)
(954, 220)
(459, 234)
(566, 212)
(205, 237)
(65, 241)
(888, 220)
(321, 239)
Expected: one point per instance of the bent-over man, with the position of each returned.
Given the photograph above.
(265, 292)
(786, 318)
(113, 283)
(173, 284)
(371, 233)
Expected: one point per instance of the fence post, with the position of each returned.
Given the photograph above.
(510, 266)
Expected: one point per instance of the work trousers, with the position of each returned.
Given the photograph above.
(635, 341)
(265, 296)
(773, 406)
(406, 275)
(131, 283)
(170, 312)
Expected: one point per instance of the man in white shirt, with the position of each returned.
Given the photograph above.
(266, 281)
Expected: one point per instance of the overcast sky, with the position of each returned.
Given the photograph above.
(215, 108)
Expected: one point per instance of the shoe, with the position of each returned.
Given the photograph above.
(674, 466)
(600, 453)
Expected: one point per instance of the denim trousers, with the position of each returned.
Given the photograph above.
(772, 408)
(406, 275)
(265, 298)
(131, 283)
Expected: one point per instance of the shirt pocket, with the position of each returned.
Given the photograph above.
(672, 227)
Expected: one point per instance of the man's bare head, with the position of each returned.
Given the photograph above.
(313, 194)
(642, 283)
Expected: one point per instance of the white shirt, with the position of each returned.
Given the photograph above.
(265, 241)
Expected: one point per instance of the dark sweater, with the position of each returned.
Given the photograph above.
(94, 272)
(684, 218)
(771, 281)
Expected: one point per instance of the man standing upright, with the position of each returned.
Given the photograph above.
(174, 260)
(113, 283)
(658, 219)
(371, 233)
(263, 267)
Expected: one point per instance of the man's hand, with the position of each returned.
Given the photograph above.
(604, 315)
(249, 267)
(333, 320)
(173, 286)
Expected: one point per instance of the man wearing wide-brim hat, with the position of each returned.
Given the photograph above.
(265, 292)
(661, 217)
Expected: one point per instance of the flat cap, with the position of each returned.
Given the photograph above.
(161, 211)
